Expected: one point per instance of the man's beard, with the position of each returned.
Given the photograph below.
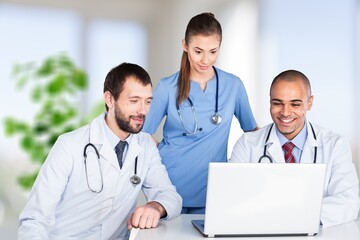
(124, 123)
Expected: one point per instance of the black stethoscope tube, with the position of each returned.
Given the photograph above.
(215, 119)
(267, 138)
(86, 172)
(135, 179)
(217, 91)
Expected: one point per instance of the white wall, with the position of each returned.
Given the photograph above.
(260, 39)
(355, 91)
(317, 38)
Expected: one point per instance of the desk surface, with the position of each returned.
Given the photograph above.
(181, 228)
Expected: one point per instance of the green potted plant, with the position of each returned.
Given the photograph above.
(55, 86)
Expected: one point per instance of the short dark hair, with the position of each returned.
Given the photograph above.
(290, 76)
(116, 78)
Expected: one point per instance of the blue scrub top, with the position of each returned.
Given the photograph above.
(187, 157)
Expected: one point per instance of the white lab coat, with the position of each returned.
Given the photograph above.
(341, 192)
(61, 206)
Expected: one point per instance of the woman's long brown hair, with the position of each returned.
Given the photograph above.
(203, 24)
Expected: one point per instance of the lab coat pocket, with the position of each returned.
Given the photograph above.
(94, 236)
(125, 235)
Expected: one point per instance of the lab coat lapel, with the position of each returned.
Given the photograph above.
(274, 149)
(109, 227)
(97, 137)
(309, 147)
(133, 151)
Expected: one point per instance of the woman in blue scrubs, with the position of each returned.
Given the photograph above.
(198, 102)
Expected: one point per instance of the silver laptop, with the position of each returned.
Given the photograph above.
(251, 199)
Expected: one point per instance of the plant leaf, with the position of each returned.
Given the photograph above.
(57, 84)
(80, 79)
(27, 180)
(46, 68)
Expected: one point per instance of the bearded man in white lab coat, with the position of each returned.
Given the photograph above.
(290, 99)
(91, 192)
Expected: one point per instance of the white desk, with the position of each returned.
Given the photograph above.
(180, 228)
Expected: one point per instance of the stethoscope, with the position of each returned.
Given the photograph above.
(135, 179)
(267, 138)
(215, 118)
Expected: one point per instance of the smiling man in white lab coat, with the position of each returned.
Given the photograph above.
(91, 193)
(290, 99)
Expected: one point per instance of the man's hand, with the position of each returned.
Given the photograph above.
(146, 216)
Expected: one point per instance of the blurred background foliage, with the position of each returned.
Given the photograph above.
(55, 88)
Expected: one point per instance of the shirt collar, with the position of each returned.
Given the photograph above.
(299, 140)
(111, 136)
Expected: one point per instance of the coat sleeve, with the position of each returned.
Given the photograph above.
(249, 147)
(157, 185)
(341, 201)
(240, 153)
(38, 215)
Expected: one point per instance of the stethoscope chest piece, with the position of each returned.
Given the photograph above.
(215, 119)
(135, 179)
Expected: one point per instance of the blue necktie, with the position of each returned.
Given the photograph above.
(119, 149)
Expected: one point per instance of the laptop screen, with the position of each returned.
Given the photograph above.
(264, 199)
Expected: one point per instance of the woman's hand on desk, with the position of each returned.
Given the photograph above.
(146, 216)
